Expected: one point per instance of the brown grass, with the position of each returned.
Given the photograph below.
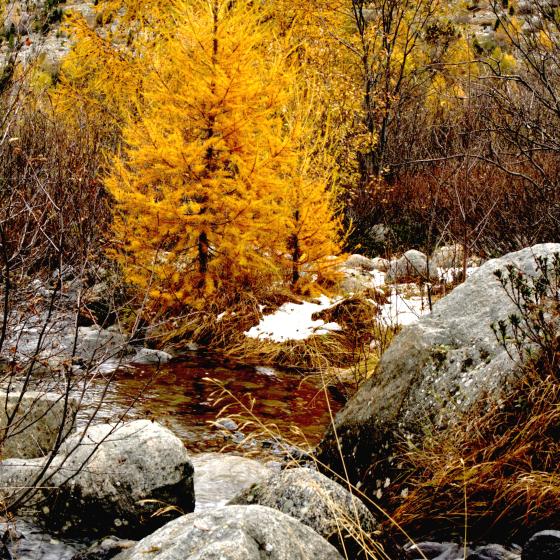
(503, 463)
(345, 349)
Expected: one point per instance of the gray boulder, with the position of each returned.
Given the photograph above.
(413, 265)
(433, 373)
(448, 256)
(219, 477)
(36, 423)
(147, 356)
(359, 262)
(380, 264)
(111, 479)
(233, 533)
(317, 501)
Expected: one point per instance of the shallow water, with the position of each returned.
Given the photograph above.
(179, 396)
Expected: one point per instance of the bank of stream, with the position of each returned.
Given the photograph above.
(179, 396)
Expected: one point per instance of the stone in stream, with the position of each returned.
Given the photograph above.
(35, 426)
(147, 356)
(544, 545)
(434, 372)
(105, 549)
(319, 502)
(111, 480)
(219, 477)
(455, 551)
(233, 533)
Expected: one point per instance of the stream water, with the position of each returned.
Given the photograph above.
(180, 396)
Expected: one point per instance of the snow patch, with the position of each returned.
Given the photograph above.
(292, 321)
(403, 310)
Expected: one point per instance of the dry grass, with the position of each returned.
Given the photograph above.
(503, 463)
(357, 346)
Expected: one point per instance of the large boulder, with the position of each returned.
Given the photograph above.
(434, 372)
(233, 533)
(316, 501)
(413, 265)
(219, 477)
(110, 479)
(36, 418)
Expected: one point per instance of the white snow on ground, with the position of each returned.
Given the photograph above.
(403, 310)
(292, 321)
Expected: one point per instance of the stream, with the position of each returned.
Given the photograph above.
(179, 396)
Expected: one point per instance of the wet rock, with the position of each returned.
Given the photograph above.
(147, 356)
(493, 552)
(316, 501)
(36, 424)
(544, 545)
(433, 373)
(219, 477)
(433, 551)
(227, 424)
(454, 551)
(413, 265)
(124, 475)
(233, 533)
(104, 549)
(29, 542)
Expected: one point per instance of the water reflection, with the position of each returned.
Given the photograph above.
(179, 396)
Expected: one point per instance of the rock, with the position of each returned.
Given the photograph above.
(147, 356)
(227, 424)
(379, 234)
(380, 264)
(355, 282)
(104, 549)
(433, 550)
(492, 552)
(233, 533)
(544, 545)
(316, 501)
(97, 344)
(413, 265)
(434, 372)
(34, 429)
(359, 262)
(448, 256)
(219, 477)
(110, 480)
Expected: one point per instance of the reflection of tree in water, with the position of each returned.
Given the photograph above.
(180, 396)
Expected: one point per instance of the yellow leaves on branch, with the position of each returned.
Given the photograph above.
(216, 187)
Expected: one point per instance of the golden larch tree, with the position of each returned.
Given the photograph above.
(204, 186)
